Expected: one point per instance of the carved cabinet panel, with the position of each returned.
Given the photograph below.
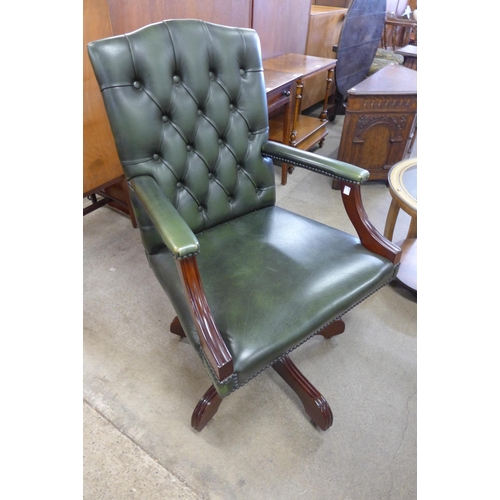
(380, 121)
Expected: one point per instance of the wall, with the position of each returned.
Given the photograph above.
(397, 6)
(127, 15)
(282, 28)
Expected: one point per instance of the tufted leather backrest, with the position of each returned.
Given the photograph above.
(187, 105)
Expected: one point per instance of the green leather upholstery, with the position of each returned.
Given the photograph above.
(271, 291)
(187, 106)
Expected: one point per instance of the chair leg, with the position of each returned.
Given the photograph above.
(335, 328)
(205, 409)
(176, 327)
(314, 403)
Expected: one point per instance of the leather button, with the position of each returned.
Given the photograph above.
(242, 71)
(200, 209)
(200, 112)
(220, 141)
(136, 85)
(210, 176)
(211, 75)
(238, 167)
(231, 107)
(176, 79)
(164, 118)
(188, 147)
(156, 157)
(229, 199)
(179, 185)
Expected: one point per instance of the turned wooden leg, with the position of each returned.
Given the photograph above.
(335, 328)
(284, 171)
(205, 409)
(176, 327)
(314, 403)
(390, 222)
(412, 231)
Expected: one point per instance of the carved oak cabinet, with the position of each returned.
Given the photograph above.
(380, 122)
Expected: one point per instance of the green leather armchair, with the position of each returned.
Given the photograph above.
(249, 280)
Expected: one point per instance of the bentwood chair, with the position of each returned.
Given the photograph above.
(249, 281)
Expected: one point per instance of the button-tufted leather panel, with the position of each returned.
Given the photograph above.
(187, 105)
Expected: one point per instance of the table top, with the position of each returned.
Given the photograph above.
(408, 51)
(393, 79)
(298, 65)
(403, 182)
(276, 79)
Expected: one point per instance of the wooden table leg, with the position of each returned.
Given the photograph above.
(390, 223)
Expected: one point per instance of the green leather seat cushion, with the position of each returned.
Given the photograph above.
(272, 279)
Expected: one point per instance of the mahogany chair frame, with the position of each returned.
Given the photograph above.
(216, 351)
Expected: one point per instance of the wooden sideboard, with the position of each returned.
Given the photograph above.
(381, 120)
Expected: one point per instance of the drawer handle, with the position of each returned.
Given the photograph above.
(286, 93)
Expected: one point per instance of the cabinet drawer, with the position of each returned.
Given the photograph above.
(277, 98)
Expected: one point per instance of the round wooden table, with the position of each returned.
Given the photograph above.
(403, 188)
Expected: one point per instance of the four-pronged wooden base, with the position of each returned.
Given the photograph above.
(315, 405)
(335, 328)
(176, 327)
(205, 409)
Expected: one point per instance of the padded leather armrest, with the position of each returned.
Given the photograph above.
(326, 166)
(174, 231)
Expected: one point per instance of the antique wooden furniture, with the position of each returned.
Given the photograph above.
(399, 32)
(103, 179)
(403, 188)
(249, 281)
(409, 52)
(358, 42)
(280, 91)
(325, 26)
(303, 70)
(380, 121)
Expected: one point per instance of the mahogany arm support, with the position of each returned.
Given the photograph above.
(369, 236)
(350, 178)
(211, 341)
(311, 161)
(182, 242)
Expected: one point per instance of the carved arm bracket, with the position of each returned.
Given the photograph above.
(211, 341)
(368, 234)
